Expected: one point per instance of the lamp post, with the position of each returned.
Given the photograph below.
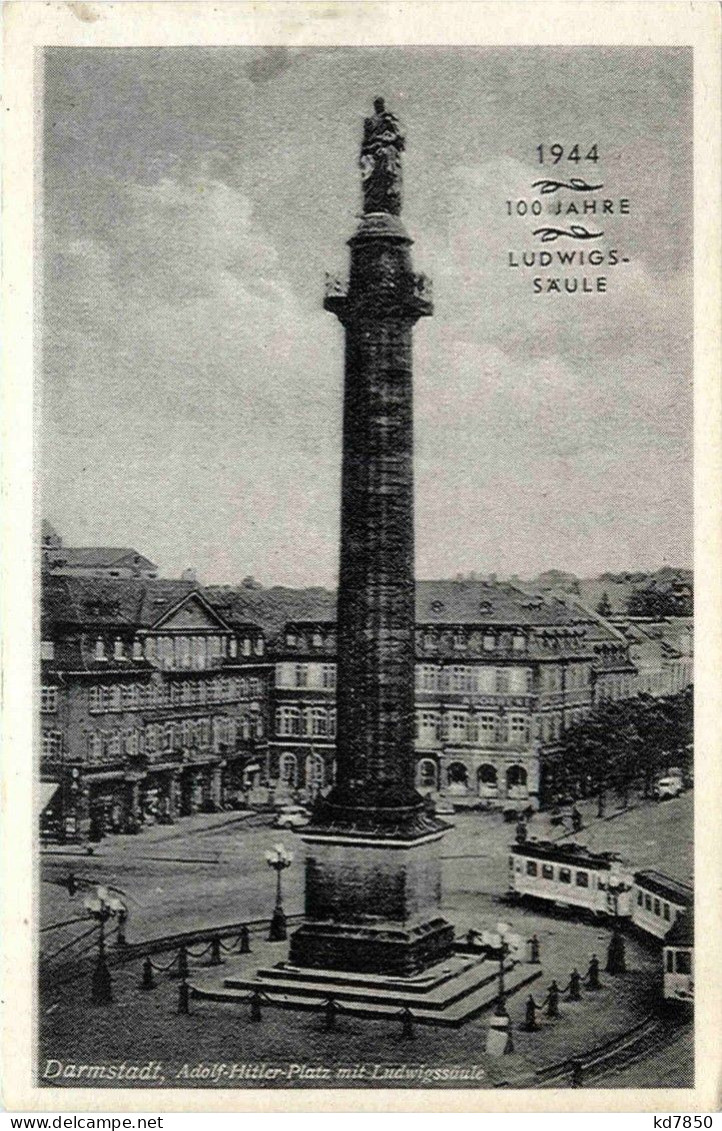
(279, 859)
(101, 907)
(508, 942)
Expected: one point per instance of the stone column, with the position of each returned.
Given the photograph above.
(373, 883)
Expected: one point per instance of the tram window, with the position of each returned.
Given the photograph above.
(565, 876)
(670, 961)
(547, 871)
(582, 879)
(684, 962)
(666, 911)
(648, 902)
(531, 868)
(657, 908)
(640, 899)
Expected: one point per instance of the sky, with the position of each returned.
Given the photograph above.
(191, 389)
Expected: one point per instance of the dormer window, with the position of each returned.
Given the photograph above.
(290, 639)
(437, 606)
(259, 645)
(99, 649)
(484, 606)
(233, 647)
(489, 642)
(137, 649)
(47, 650)
(118, 652)
(246, 646)
(518, 642)
(317, 640)
(459, 640)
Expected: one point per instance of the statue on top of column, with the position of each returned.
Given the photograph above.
(380, 161)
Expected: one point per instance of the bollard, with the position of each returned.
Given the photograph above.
(593, 975)
(499, 1040)
(407, 1024)
(147, 982)
(530, 1024)
(575, 985)
(182, 963)
(216, 951)
(122, 920)
(553, 1006)
(616, 961)
(331, 1011)
(183, 997)
(245, 941)
(534, 950)
(577, 1074)
(255, 1006)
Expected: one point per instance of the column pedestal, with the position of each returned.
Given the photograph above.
(372, 903)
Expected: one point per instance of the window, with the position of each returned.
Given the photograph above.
(95, 747)
(183, 651)
(111, 696)
(290, 639)
(640, 899)
(518, 642)
(48, 698)
(99, 650)
(259, 726)
(317, 722)
(259, 646)
(548, 871)
(288, 769)
(582, 879)
(301, 675)
(47, 650)
(502, 681)
(489, 643)
(137, 649)
(328, 676)
(487, 728)
(518, 729)
(118, 650)
(648, 903)
(459, 678)
(233, 648)
(665, 908)
(459, 640)
(519, 680)
(52, 743)
(112, 746)
(531, 868)
(128, 697)
(684, 962)
(150, 737)
(246, 645)
(317, 640)
(670, 961)
(426, 728)
(657, 908)
(565, 876)
(95, 697)
(457, 721)
(288, 721)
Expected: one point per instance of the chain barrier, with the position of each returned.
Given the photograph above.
(163, 969)
(72, 942)
(193, 954)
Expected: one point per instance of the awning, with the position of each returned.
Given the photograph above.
(46, 793)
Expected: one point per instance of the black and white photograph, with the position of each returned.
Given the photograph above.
(364, 541)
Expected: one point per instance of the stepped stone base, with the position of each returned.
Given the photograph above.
(450, 993)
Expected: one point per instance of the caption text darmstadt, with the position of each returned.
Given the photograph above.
(154, 1072)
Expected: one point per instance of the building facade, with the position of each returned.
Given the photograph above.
(152, 704)
(500, 673)
(662, 652)
(92, 561)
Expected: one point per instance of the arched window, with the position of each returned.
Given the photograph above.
(487, 775)
(426, 774)
(516, 782)
(288, 721)
(457, 778)
(288, 769)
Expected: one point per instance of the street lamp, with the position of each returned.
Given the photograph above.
(102, 906)
(505, 942)
(279, 859)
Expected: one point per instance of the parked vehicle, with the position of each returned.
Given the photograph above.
(293, 817)
(670, 786)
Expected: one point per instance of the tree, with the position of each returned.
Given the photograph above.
(604, 608)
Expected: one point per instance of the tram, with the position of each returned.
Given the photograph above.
(570, 876)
